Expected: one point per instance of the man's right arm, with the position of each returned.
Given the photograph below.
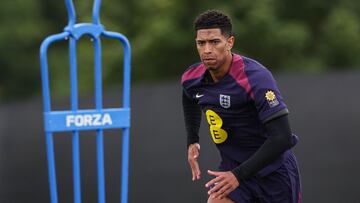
(192, 117)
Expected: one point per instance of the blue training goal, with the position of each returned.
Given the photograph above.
(74, 119)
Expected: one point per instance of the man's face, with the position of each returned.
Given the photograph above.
(213, 47)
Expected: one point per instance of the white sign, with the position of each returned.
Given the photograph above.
(84, 120)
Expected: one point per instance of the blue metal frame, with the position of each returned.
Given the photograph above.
(97, 119)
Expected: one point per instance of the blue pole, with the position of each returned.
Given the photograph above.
(74, 107)
(100, 165)
(96, 12)
(99, 133)
(51, 167)
(126, 131)
(126, 104)
(44, 67)
(71, 12)
(47, 108)
(127, 64)
(76, 167)
(125, 165)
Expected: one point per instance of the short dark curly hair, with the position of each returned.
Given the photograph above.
(214, 19)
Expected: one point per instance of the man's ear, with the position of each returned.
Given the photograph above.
(230, 42)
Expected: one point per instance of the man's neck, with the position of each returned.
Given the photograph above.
(222, 70)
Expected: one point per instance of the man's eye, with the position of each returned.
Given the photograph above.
(200, 43)
(215, 42)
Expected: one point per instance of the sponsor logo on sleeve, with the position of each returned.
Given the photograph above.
(271, 98)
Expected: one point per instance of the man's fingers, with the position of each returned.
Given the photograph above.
(192, 167)
(193, 174)
(213, 181)
(223, 184)
(214, 173)
(197, 170)
(217, 187)
(221, 192)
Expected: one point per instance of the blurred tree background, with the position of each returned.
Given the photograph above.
(284, 35)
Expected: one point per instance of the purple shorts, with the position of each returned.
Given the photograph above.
(280, 186)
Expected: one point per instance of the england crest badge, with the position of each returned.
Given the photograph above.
(225, 101)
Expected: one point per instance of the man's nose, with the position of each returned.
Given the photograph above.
(208, 48)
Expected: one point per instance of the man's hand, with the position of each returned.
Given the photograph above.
(193, 155)
(223, 184)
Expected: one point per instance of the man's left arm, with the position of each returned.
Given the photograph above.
(273, 113)
(280, 139)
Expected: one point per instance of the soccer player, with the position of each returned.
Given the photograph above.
(247, 117)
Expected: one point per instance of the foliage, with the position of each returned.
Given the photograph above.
(284, 35)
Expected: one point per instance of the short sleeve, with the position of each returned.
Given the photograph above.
(267, 98)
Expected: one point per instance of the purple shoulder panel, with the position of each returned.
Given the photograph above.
(237, 71)
(195, 71)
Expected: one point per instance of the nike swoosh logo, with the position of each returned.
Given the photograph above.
(198, 95)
